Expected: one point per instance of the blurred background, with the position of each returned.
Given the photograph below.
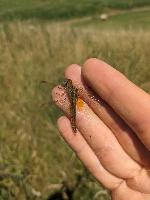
(38, 40)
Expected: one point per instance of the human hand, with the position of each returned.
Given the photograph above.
(113, 138)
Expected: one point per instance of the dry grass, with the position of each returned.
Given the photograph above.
(31, 52)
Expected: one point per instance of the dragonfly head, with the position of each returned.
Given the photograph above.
(66, 83)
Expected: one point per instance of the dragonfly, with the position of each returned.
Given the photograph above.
(75, 96)
(72, 93)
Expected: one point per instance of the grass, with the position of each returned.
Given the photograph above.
(129, 20)
(60, 9)
(127, 4)
(48, 9)
(30, 144)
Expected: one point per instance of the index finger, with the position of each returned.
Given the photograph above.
(128, 100)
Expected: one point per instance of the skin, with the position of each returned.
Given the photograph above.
(113, 136)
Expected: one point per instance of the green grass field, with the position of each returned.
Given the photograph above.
(61, 9)
(34, 161)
